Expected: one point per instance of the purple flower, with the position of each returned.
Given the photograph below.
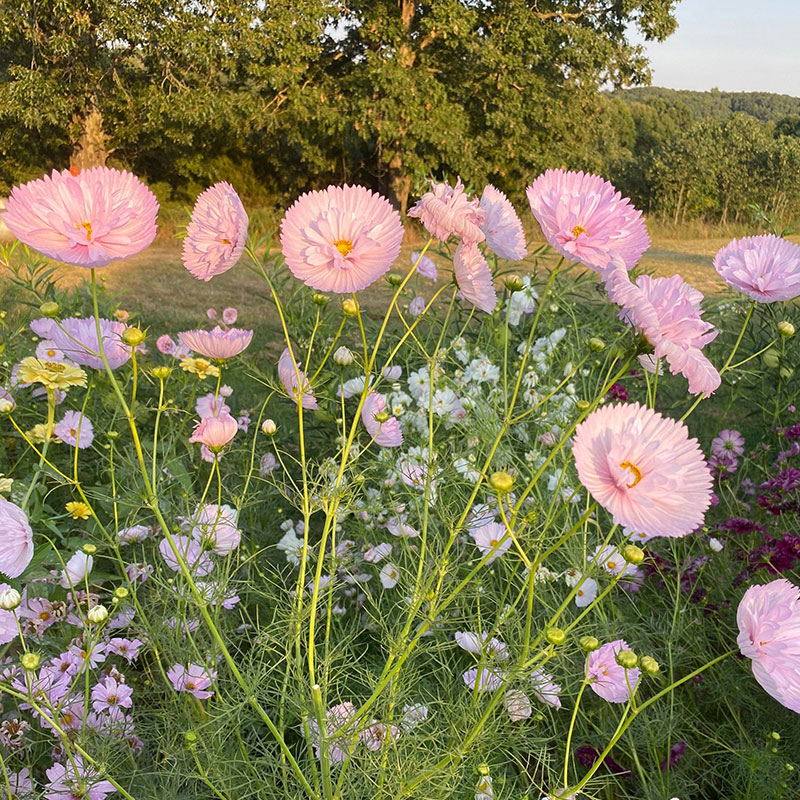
(675, 755)
(193, 679)
(618, 392)
(780, 494)
(793, 431)
(111, 696)
(127, 648)
(728, 441)
(75, 780)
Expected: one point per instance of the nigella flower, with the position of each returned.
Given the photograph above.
(586, 219)
(644, 469)
(77, 340)
(217, 344)
(87, 219)
(216, 234)
(340, 239)
(766, 268)
(447, 211)
(728, 441)
(607, 678)
(384, 430)
(294, 381)
(75, 430)
(16, 539)
(192, 679)
(474, 278)
(502, 226)
(769, 635)
(667, 312)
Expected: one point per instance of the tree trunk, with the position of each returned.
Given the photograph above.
(399, 183)
(90, 150)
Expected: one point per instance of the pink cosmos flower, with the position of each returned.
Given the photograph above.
(229, 316)
(586, 219)
(215, 432)
(667, 312)
(76, 570)
(377, 734)
(198, 562)
(166, 344)
(111, 696)
(46, 350)
(75, 430)
(643, 469)
(769, 635)
(728, 442)
(336, 717)
(77, 339)
(486, 680)
(447, 211)
(340, 239)
(766, 268)
(474, 277)
(193, 679)
(16, 539)
(216, 234)
(211, 406)
(416, 306)
(89, 219)
(479, 644)
(218, 344)
(425, 267)
(74, 780)
(21, 784)
(517, 705)
(491, 538)
(211, 313)
(607, 678)
(217, 527)
(295, 381)
(386, 433)
(545, 689)
(127, 648)
(503, 229)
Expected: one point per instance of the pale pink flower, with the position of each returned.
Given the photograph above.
(376, 554)
(230, 315)
(216, 234)
(46, 350)
(217, 527)
(77, 339)
(416, 306)
(134, 534)
(73, 780)
(111, 696)
(447, 211)
(166, 344)
(486, 680)
(728, 442)
(491, 538)
(340, 239)
(21, 784)
(667, 312)
(75, 430)
(480, 644)
(607, 678)
(389, 575)
(643, 469)
(215, 432)
(425, 266)
(517, 705)
(192, 679)
(16, 539)
(769, 635)
(377, 734)
(502, 226)
(586, 219)
(545, 689)
(89, 219)
(191, 551)
(217, 344)
(76, 570)
(399, 526)
(127, 648)
(474, 278)
(766, 268)
(294, 381)
(386, 433)
(211, 406)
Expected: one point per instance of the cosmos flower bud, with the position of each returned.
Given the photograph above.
(633, 554)
(785, 329)
(483, 769)
(9, 599)
(513, 283)
(319, 299)
(556, 636)
(89, 549)
(343, 356)
(596, 345)
(786, 372)
(133, 336)
(6, 406)
(589, 643)
(121, 592)
(627, 659)
(583, 405)
(771, 359)
(49, 309)
(501, 482)
(349, 307)
(161, 373)
(97, 614)
(393, 279)
(268, 427)
(113, 435)
(30, 661)
(649, 665)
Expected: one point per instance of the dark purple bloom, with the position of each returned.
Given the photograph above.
(781, 493)
(793, 431)
(587, 756)
(675, 755)
(742, 525)
(618, 392)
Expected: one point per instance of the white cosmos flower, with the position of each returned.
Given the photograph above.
(389, 575)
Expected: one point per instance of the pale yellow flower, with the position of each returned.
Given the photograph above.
(78, 510)
(38, 434)
(5, 484)
(200, 367)
(51, 374)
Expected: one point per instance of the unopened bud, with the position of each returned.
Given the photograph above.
(633, 554)
(786, 329)
(786, 372)
(393, 279)
(556, 636)
(343, 356)
(89, 549)
(627, 659)
(113, 435)
(6, 406)
(513, 283)
(121, 592)
(483, 769)
(97, 614)
(133, 337)
(596, 345)
(49, 309)
(589, 643)
(30, 661)
(190, 737)
(9, 599)
(771, 359)
(161, 373)
(319, 300)
(583, 405)
(501, 482)
(649, 665)
(349, 307)
(776, 736)
(268, 427)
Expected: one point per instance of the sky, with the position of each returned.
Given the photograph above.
(733, 45)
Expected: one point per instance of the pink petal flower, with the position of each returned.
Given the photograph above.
(16, 539)
(193, 679)
(217, 527)
(77, 339)
(340, 239)
(294, 381)
(503, 229)
(425, 266)
(586, 219)
(75, 430)
(215, 432)
(89, 219)
(217, 344)
(643, 469)
(216, 234)
(474, 277)
(229, 316)
(447, 211)
(386, 433)
(608, 679)
(766, 268)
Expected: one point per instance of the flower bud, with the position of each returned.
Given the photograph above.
(786, 372)
(583, 405)
(776, 736)
(771, 359)
(161, 373)
(513, 283)
(343, 356)
(113, 435)
(9, 599)
(6, 406)
(786, 329)
(133, 337)
(89, 549)
(30, 661)
(319, 300)
(501, 482)
(633, 554)
(483, 769)
(627, 659)
(268, 427)
(555, 636)
(49, 309)
(349, 307)
(649, 665)
(190, 738)
(589, 643)
(121, 592)
(596, 345)
(97, 614)
(393, 279)
(381, 416)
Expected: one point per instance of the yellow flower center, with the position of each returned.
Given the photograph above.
(634, 470)
(226, 241)
(612, 564)
(493, 542)
(73, 432)
(344, 246)
(51, 353)
(87, 226)
(578, 230)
